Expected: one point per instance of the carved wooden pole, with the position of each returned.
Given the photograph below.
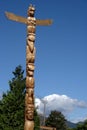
(30, 58)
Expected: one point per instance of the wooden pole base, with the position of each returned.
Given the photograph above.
(29, 125)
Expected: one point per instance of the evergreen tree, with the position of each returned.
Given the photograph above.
(57, 120)
(82, 126)
(36, 120)
(12, 103)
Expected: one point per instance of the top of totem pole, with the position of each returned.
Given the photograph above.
(30, 13)
(31, 10)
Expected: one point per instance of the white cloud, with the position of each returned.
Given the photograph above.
(61, 103)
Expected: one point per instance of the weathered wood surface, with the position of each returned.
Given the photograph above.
(30, 59)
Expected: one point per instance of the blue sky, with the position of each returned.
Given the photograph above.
(61, 57)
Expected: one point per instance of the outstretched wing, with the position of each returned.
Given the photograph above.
(44, 22)
(14, 17)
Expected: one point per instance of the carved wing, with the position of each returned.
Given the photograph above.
(43, 22)
(14, 17)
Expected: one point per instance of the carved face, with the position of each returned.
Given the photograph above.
(30, 92)
(29, 82)
(31, 11)
(30, 112)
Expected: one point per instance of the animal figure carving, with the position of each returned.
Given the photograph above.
(30, 59)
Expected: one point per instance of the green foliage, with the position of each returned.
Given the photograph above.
(82, 126)
(12, 103)
(57, 120)
(71, 129)
(36, 121)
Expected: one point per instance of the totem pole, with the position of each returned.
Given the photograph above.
(30, 59)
